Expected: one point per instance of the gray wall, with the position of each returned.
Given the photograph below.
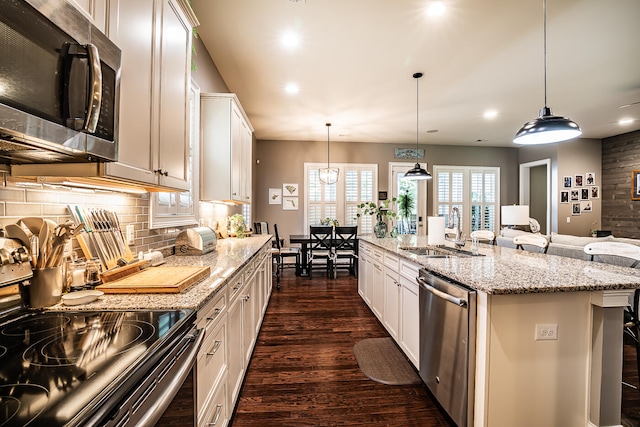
(283, 161)
(538, 196)
(620, 156)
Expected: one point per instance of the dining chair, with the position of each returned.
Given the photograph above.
(279, 253)
(484, 236)
(532, 240)
(618, 251)
(321, 247)
(345, 246)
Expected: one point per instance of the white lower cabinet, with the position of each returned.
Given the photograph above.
(387, 284)
(231, 322)
(211, 364)
(409, 338)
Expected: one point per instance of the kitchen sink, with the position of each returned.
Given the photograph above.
(438, 252)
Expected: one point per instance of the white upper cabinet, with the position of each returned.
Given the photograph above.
(95, 10)
(225, 149)
(155, 38)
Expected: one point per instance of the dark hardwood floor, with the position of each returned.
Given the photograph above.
(304, 373)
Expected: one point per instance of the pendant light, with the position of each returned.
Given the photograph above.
(328, 175)
(417, 173)
(547, 128)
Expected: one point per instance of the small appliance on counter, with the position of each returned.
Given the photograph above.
(15, 273)
(196, 241)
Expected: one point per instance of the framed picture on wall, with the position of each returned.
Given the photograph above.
(275, 196)
(578, 181)
(564, 197)
(635, 185)
(595, 192)
(566, 181)
(585, 194)
(586, 206)
(290, 190)
(575, 195)
(290, 203)
(575, 208)
(590, 178)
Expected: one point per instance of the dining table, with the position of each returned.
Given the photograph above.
(302, 262)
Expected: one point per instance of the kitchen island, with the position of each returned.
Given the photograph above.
(574, 380)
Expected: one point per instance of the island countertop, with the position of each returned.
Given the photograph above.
(510, 271)
(228, 258)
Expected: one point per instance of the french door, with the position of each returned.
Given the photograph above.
(417, 190)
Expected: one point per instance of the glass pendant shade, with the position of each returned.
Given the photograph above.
(417, 173)
(547, 129)
(328, 175)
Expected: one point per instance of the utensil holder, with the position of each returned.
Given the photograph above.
(46, 287)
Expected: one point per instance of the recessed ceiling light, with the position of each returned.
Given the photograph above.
(432, 131)
(490, 114)
(436, 8)
(290, 40)
(625, 121)
(292, 88)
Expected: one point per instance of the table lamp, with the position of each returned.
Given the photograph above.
(515, 215)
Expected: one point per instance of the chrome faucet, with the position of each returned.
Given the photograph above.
(459, 239)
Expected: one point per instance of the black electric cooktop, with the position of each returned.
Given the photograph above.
(58, 367)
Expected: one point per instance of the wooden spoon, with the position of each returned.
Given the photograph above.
(33, 223)
(15, 232)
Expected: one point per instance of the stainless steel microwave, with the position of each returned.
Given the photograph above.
(59, 85)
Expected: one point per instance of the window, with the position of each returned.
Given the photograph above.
(473, 190)
(357, 183)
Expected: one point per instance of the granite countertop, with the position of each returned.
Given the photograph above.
(511, 271)
(229, 256)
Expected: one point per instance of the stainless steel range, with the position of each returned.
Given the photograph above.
(90, 368)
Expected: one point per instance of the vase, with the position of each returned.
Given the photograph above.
(380, 229)
(394, 232)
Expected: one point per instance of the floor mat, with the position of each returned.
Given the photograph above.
(382, 361)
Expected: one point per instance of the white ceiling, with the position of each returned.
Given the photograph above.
(356, 58)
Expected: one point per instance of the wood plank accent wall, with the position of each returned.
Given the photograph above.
(620, 156)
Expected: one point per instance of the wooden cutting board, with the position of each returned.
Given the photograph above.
(157, 280)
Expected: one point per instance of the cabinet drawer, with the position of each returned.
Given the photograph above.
(212, 312)
(234, 287)
(216, 414)
(391, 261)
(211, 364)
(365, 249)
(377, 254)
(408, 269)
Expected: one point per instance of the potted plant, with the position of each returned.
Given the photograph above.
(237, 225)
(382, 211)
(405, 209)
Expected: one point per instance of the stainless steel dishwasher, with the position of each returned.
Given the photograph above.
(447, 344)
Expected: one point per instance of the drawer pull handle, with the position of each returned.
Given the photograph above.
(216, 416)
(216, 313)
(216, 347)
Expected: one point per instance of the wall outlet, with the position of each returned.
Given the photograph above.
(131, 234)
(546, 332)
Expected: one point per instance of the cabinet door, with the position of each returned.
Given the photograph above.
(391, 302)
(377, 283)
(131, 26)
(247, 162)
(211, 366)
(249, 318)
(409, 322)
(96, 10)
(235, 361)
(174, 81)
(237, 157)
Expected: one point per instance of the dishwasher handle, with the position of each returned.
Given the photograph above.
(460, 302)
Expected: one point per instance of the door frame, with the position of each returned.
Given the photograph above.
(525, 185)
(422, 193)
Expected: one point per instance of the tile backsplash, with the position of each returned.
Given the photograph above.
(19, 200)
